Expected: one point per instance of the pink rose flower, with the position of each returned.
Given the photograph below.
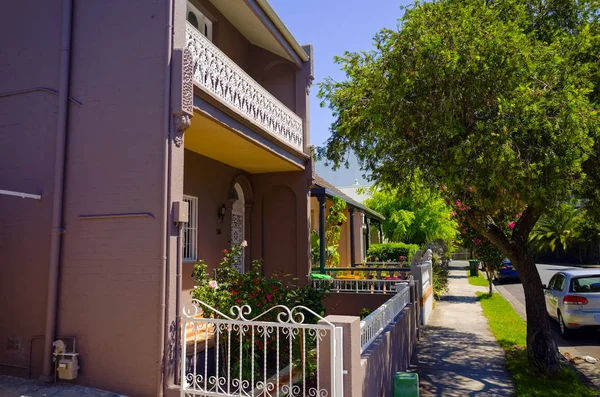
(213, 284)
(511, 225)
(244, 243)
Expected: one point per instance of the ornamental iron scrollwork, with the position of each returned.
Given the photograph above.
(219, 75)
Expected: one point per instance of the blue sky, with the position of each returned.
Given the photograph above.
(332, 27)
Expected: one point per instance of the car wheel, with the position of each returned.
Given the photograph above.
(564, 331)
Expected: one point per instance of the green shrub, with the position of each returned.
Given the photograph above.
(364, 313)
(392, 252)
(440, 277)
(252, 294)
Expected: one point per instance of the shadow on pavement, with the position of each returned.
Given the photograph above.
(460, 299)
(453, 363)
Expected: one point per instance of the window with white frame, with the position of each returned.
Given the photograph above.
(190, 230)
(199, 21)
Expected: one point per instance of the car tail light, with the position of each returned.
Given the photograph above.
(575, 300)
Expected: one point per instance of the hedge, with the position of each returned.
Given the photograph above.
(391, 252)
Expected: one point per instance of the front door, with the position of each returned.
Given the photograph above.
(238, 221)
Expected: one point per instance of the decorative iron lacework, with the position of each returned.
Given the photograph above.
(237, 236)
(218, 74)
(285, 352)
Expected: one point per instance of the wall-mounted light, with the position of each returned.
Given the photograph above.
(221, 213)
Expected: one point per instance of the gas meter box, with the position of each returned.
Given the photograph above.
(68, 367)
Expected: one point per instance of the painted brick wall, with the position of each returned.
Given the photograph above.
(28, 59)
(111, 268)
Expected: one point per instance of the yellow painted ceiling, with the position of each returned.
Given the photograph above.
(213, 140)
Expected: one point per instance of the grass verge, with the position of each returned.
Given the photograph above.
(479, 281)
(510, 331)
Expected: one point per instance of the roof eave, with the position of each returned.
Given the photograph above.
(327, 192)
(270, 12)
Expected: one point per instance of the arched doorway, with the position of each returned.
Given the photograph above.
(238, 223)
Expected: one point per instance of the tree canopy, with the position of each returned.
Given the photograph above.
(494, 102)
(418, 217)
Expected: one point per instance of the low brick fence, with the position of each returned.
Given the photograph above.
(371, 373)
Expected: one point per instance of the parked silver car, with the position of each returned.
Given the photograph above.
(573, 299)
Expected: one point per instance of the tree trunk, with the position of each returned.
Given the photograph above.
(489, 275)
(541, 346)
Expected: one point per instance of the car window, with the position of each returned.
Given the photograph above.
(559, 282)
(551, 282)
(585, 284)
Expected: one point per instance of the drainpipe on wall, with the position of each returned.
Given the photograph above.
(163, 335)
(179, 285)
(59, 175)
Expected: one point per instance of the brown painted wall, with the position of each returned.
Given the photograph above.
(276, 214)
(110, 290)
(111, 268)
(393, 350)
(276, 74)
(226, 36)
(211, 181)
(27, 136)
(348, 304)
(281, 222)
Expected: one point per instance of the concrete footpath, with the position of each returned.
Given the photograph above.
(458, 355)
(19, 387)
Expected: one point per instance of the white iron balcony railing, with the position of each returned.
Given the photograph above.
(374, 324)
(220, 76)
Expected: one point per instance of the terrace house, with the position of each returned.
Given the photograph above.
(138, 137)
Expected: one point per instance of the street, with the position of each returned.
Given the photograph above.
(583, 343)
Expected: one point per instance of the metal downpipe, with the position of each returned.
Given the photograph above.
(163, 333)
(59, 175)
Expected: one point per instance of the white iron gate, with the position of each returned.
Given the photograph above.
(276, 353)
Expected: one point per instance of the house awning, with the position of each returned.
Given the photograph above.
(323, 188)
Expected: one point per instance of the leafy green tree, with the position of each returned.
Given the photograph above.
(557, 228)
(417, 217)
(334, 220)
(491, 101)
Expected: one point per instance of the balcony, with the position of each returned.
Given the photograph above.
(218, 75)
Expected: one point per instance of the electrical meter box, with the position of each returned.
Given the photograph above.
(180, 212)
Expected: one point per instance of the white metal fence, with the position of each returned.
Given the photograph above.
(374, 324)
(275, 353)
(360, 286)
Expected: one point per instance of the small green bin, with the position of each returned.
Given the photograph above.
(473, 267)
(406, 384)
